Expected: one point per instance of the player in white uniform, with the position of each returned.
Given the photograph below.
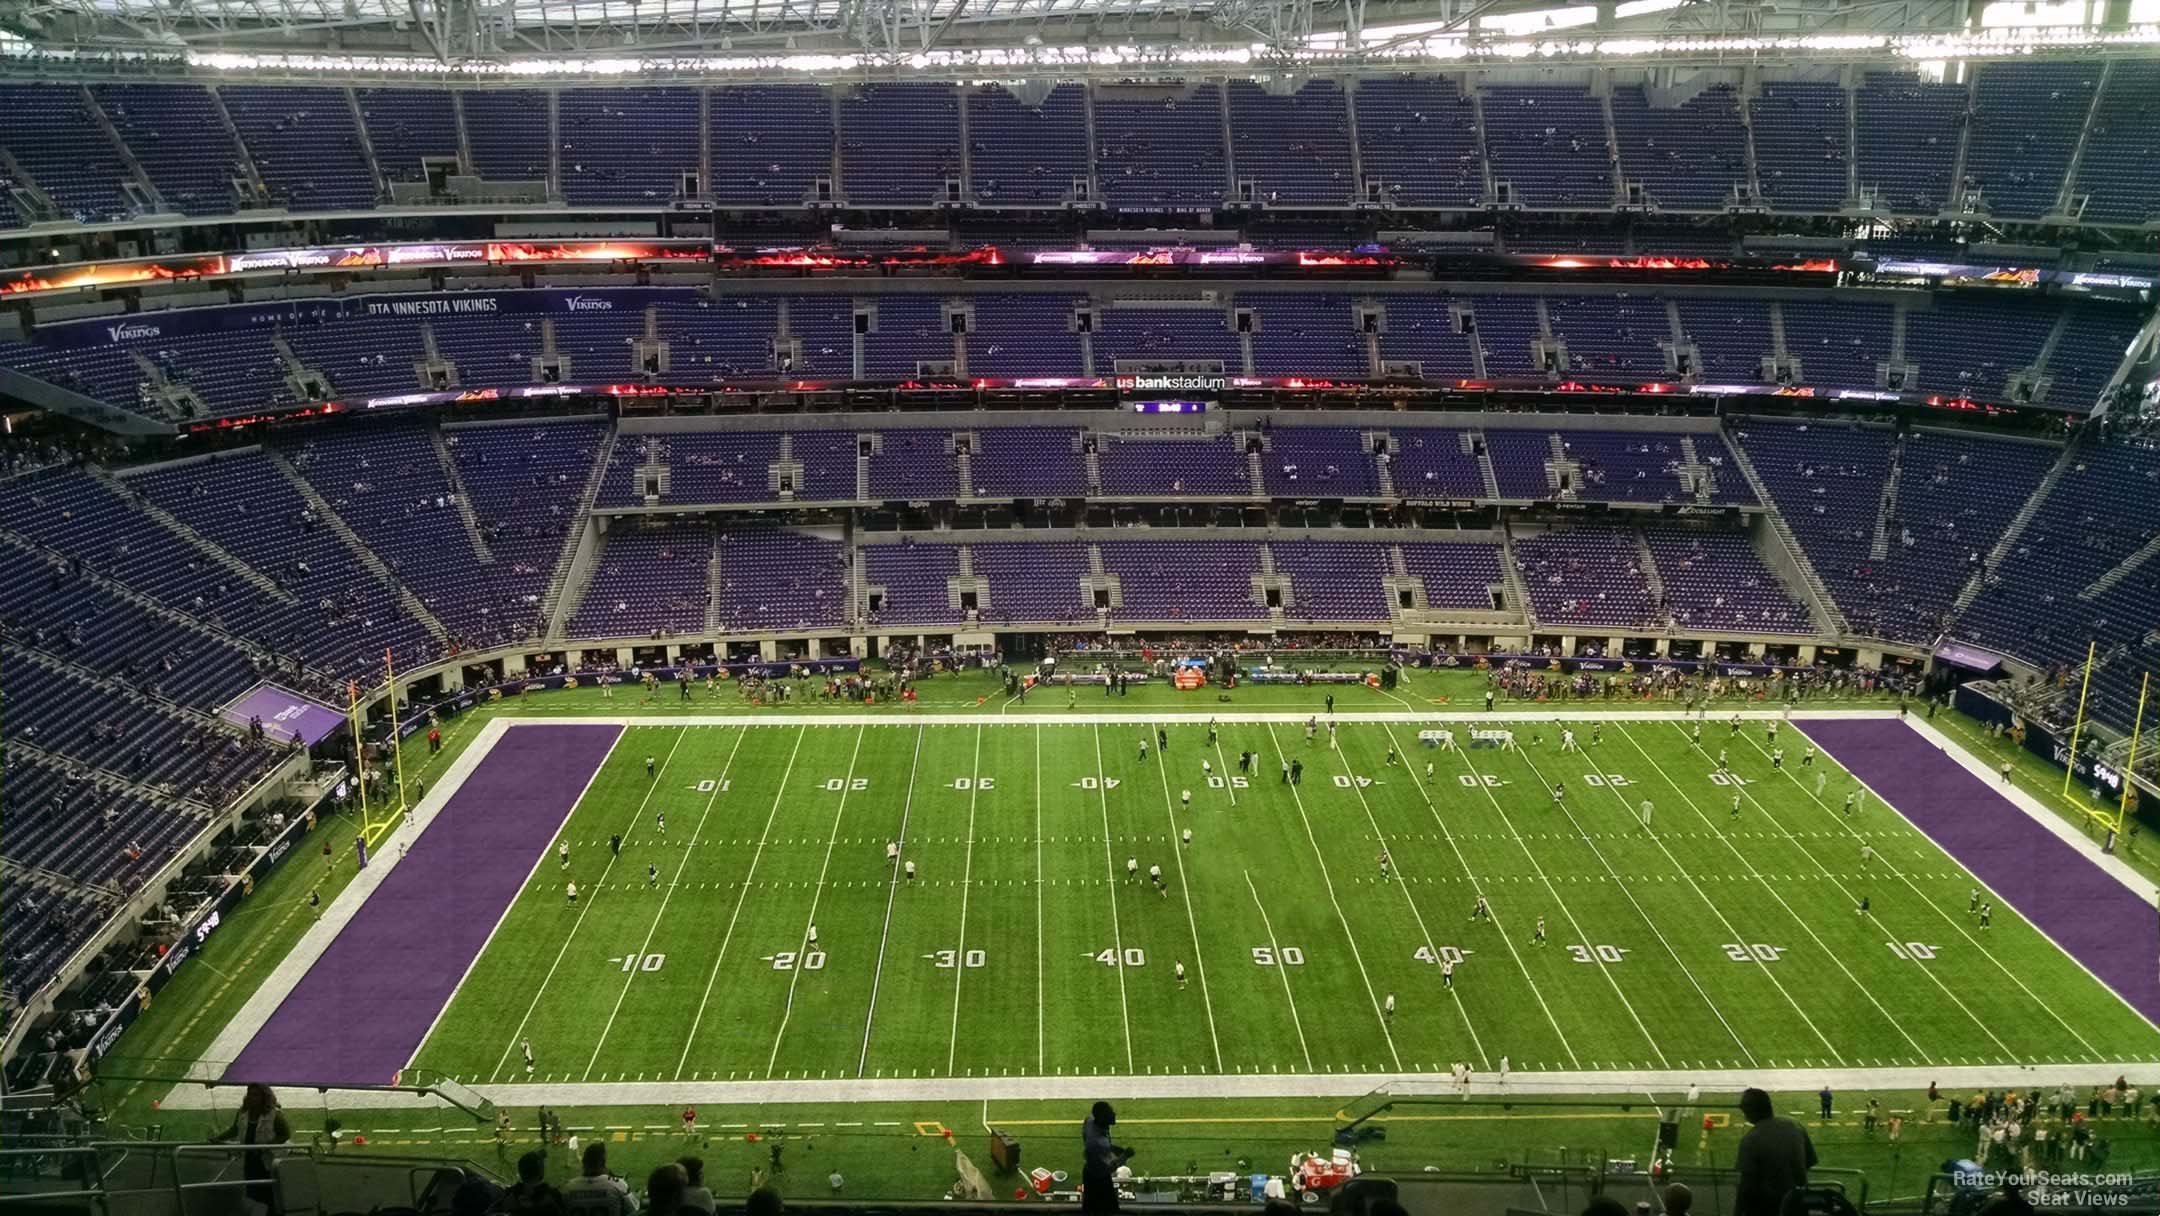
(1132, 869)
(562, 855)
(525, 1045)
(1479, 911)
(1387, 1011)
(1567, 741)
(1428, 772)
(1385, 862)
(1185, 797)
(910, 871)
(1154, 874)
(570, 889)
(1186, 840)
(812, 938)
(1852, 799)
(1180, 966)
(1539, 939)
(1822, 778)
(1736, 806)
(652, 875)
(1646, 810)
(892, 852)
(1447, 971)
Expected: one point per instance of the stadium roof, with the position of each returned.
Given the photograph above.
(1002, 37)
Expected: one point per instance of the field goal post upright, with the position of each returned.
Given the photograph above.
(397, 736)
(2077, 727)
(2129, 798)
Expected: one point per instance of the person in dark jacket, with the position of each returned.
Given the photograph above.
(259, 1121)
(1775, 1157)
(1102, 1157)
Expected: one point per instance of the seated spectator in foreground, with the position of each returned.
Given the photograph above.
(1774, 1160)
(597, 1192)
(531, 1195)
(664, 1189)
(697, 1197)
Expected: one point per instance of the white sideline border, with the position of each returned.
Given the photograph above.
(308, 950)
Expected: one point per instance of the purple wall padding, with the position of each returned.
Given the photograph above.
(2100, 922)
(360, 1012)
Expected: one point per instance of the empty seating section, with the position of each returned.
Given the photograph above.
(304, 143)
(233, 371)
(1426, 462)
(1971, 345)
(1801, 132)
(1024, 335)
(1716, 580)
(525, 482)
(1028, 462)
(1417, 141)
(73, 821)
(2025, 125)
(1715, 464)
(508, 131)
(1023, 155)
(1187, 465)
(647, 580)
(1837, 344)
(769, 144)
(178, 137)
(1160, 148)
(914, 465)
(407, 127)
(829, 462)
(1421, 329)
(49, 609)
(1332, 580)
(380, 357)
(2115, 172)
(771, 578)
(899, 143)
(245, 505)
(2092, 346)
(825, 328)
(1907, 131)
(1629, 466)
(597, 346)
(1142, 334)
(910, 333)
(1613, 339)
(1955, 495)
(389, 487)
(1506, 326)
(49, 130)
(701, 467)
(489, 349)
(1191, 580)
(1731, 336)
(1303, 335)
(1689, 156)
(910, 583)
(1586, 576)
(720, 339)
(1456, 574)
(1319, 462)
(1294, 148)
(1033, 580)
(1548, 142)
(2104, 508)
(1522, 463)
(630, 146)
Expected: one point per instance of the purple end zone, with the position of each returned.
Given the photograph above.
(2100, 922)
(360, 1012)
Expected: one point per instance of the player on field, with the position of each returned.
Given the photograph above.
(1186, 840)
(812, 938)
(1538, 938)
(1567, 741)
(1736, 806)
(1244, 762)
(570, 889)
(652, 875)
(1154, 874)
(1478, 910)
(1428, 772)
(1297, 772)
(1646, 810)
(1773, 730)
(1695, 734)
(1331, 735)
(1807, 757)
(1132, 869)
(1392, 758)
(614, 844)
(1385, 862)
(1387, 1011)
(1987, 915)
(1736, 724)
(1180, 973)
(1852, 799)
(562, 855)
(1312, 727)
(1822, 778)
(1185, 798)
(1207, 767)
(649, 767)
(1867, 854)
(1447, 971)
(1721, 765)
(909, 870)
(1211, 732)
(1559, 794)
(2006, 772)
(1862, 910)
(1972, 904)
(892, 852)
(1162, 739)
(660, 819)
(1777, 759)
(1597, 733)
(1143, 749)
(525, 1045)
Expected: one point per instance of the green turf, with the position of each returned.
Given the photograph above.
(1022, 948)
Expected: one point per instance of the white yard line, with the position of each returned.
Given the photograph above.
(651, 784)
(1117, 933)
(892, 892)
(1041, 1055)
(1604, 968)
(1771, 889)
(742, 896)
(1947, 919)
(1356, 955)
(1627, 889)
(1477, 892)
(967, 882)
(1401, 882)
(1281, 971)
(802, 946)
(719, 784)
(1177, 854)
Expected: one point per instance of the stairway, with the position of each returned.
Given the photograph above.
(1095, 566)
(862, 476)
(1646, 561)
(1477, 111)
(240, 148)
(120, 148)
(337, 525)
(460, 497)
(964, 468)
(367, 145)
(715, 576)
(1485, 467)
(1396, 561)
(1516, 588)
(1257, 471)
(223, 557)
(2007, 542)
(1094, 473)
(464, 135)
(1747, 125)
(1827, 613)
(2068, 190)
(559, 577)
(1385, 467)
(1879, 548)
(1777, 331)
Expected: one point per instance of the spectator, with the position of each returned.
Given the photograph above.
(1102, 1157)
(764, 1201)
(259, 1121)
(1678, 1199)
(1775, 1157)
(597, 1192)
(697, 1197)
(664, 1190)
(1605, 1205)
(531, 1195)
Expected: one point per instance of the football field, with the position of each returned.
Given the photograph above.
(752, 927)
